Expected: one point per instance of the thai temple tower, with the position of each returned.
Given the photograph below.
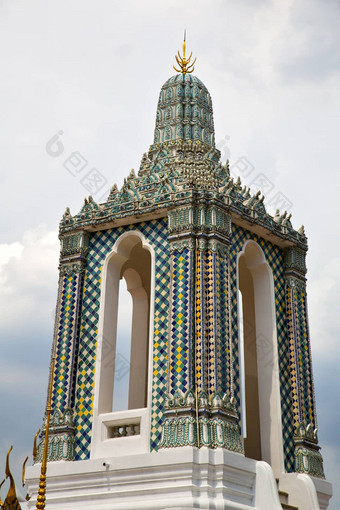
(221, 408)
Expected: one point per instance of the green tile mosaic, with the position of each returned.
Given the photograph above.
(100, 245)
(274, 257)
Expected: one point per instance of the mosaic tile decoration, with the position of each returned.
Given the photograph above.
(211, 321)
(181, 321)
(184, 111)
(67, 339)
(200, 322)
(307, 382)
(225, 336)
(101, 244)
(274, 257)
(155, 231)
(303, 390)
(211, 299)
(309, 370)
(293, 354)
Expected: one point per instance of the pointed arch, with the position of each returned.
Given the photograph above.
(167, 133)
(131, 258)
(169, 93)
(197, 132)
(261, 420)
(168, 113)
(179, 110)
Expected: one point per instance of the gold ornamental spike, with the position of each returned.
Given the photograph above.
(23, 472)
(35, 449)
(27, 497)
(11, 501)
(1, 484)
(183, 62)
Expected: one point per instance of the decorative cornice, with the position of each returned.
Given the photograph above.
(172, 175)
(295, 261)
(191, 242)
(295, 280)
(307, 454)
(212, 422)
(306, 433)
(70, 266)
(217, 402)
(213, 433)
(61, 437)
(203, 215)
(73, 252)
(74, 244)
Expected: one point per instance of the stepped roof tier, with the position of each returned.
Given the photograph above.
(176, 172)
(182, 165)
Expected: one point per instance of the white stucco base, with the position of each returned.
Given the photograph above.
(306, 491)
(177, 479)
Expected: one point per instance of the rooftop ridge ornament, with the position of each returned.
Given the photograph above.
(1, 484)
(11, 502)
(184, 63)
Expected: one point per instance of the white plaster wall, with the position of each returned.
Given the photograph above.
(179, 478)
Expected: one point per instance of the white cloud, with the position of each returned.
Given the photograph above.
(9, 251)
(28, 274)
(323, 298)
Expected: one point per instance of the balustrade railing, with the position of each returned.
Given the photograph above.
(126, 430)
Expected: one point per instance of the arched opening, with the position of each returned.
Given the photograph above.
(122, 356)
(261, 415)
(123, 359)
(133, 263)
(138, 285)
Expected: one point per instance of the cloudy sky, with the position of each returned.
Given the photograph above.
(92, 71)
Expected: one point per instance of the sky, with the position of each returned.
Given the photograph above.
(88, 75)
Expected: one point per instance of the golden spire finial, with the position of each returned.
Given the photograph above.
(184, 63)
